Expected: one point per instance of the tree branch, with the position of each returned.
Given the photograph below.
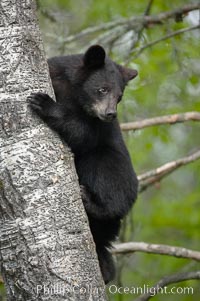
(134, 22)
(167, 119)
(171, 14)
(148, 8)
(168, 36)
(165, 281)
(130, 247)
(155, 175)
(109, 37)
(141, 28)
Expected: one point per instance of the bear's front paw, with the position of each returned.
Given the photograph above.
(41, 103)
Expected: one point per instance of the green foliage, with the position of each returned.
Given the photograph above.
(2, 292)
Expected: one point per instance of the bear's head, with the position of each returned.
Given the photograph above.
(103, 82)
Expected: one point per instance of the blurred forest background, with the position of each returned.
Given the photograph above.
(168, 212)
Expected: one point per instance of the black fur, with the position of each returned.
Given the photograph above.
(108, 181)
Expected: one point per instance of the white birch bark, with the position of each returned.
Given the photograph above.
(46, 248)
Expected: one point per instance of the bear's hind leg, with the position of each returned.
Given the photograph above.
(106, 264)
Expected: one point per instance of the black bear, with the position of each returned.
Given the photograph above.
(88, 88)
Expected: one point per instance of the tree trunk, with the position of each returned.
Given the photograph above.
(46, 248)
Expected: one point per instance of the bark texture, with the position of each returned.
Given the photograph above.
(46, 248)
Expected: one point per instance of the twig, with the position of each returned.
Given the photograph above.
(158, 287)
(167, 119)
(168, 36)
(130, 247)
(148, 8)
(109, 37)
(171, 14)
(140, 29)
(156, 175)
(94, 29)
(134, 22)
(48, 14)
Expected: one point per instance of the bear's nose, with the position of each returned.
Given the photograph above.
(111, 114)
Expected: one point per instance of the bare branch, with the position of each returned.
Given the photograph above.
(171, 14)
(168, 36)
(148, 8)
(158, 287)
(94, 29)
(109, 37)
(155, 175)
(167, 119)
(140, 29)
(134, 22)
(130, 247)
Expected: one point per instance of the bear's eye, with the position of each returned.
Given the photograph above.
(103, 90)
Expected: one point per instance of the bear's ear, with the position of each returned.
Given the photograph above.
(94, 57)
(127, 73)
